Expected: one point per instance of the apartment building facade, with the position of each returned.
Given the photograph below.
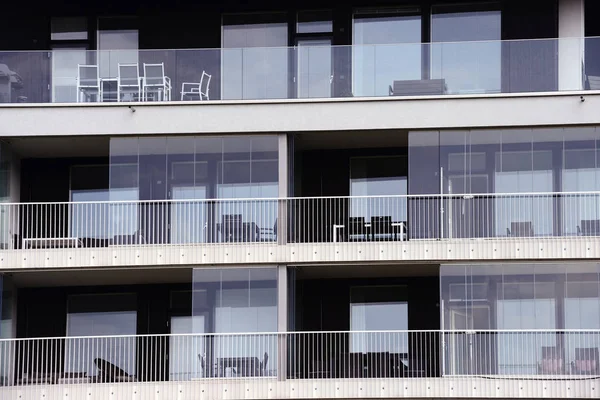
(397, 199)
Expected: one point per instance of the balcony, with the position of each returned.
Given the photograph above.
(301, 230)
(389, 364)
(280, 73)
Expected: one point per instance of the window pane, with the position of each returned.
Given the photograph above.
(469, 60)
(379, 308)
(244, 300)
(118, 42)
(101, 315)
(255, 64)
(387, 47)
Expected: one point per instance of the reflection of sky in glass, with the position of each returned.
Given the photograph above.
(379, 55)
(467, 67)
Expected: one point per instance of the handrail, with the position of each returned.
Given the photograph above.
(273, 199)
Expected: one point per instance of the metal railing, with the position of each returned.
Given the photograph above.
(299, 356)
(480, 67)
(522, 216)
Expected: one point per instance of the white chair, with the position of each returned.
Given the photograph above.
(155, 82)
(195, 89)
(88, 83)
(128, 82)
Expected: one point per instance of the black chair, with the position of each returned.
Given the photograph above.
(381, 226)
(356, 228)
(108, 372)
(589, 227)
(231, 227)
(520, 229)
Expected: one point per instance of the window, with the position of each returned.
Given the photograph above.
(69, 42)
(255, 56)
(466, 48)
(118, 42)
(379, 308)
(89, 187)
(378, 176)
(387, 47)
(101, 315)
(237, 300)
(524, 172)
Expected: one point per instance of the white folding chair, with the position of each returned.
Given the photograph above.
(195, 89)
(128, 81)
(155, 82)
(88, 83)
